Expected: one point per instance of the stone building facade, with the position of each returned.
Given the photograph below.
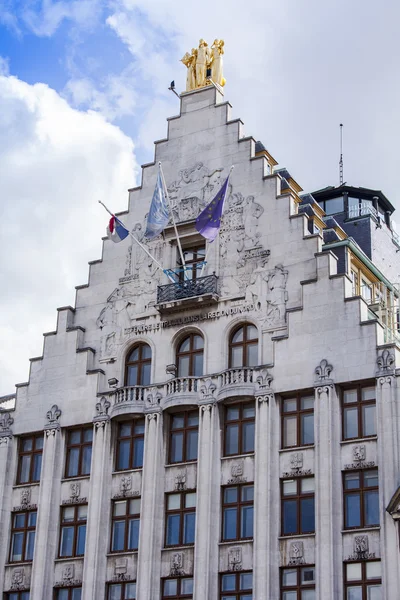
(231, 436)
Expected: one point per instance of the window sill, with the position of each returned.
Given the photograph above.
(362, 529)
(178, 547)
(67, 558)
(22, 563)
(239, 541)
(75, 478)
(297, 448)
(135, 470)
(236, 456)
(23, 485)
(296, 535)
(121, 552)
(371, 438)
(181, 464)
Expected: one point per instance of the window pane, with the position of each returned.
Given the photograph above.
(290, 405)
(307, 402)
(230, 520)
(138, 447)
(170, 587)
(37, 467)
(189, 528)
(86, 460)
(307, 485)
(371, 507)
(190, 500)
(351, 481)
(80, 546)
(350, 416)
(187, 585)
(289, 431)
(249, 412)
(16, 547)
(25, 469)
(88, 435)
(289, 487)
(146, 374)
(134, 506)
(118, 536)
(368, 393)
(248, 436)
(228, 583)
(289, 577)
(374, 592)
(123, 454)
(73, 462)
(354, 593)
(119, 508)
(230, 495)
(76, 593)
(374, 570)
(307, 429)
(246, 581)
(115, 592)
(247, 493)
(68, 514)
(67, 537)
(193, 419)
(177, 447)
(30, 544)
(191, 445)
(177, 421)
(82, 512)
(138, 426)
(289, 596)
(308, 575)
(247, 522)
(125, 429)
(173, 522)
(62, 594)
(352, 510)
(185, 345)
(32, 519)
(130, 591)
(236, 356)
(174, 501)
(146, 351)
(232, 439)
(75, 436)
(289, 516)
(197, 365)
(370, 478)
(132, 376)
(26, 444)
(252, 355)
(368, 415)
(308, 595)
(252, 333)
(198, 342)
(183, 366)
(133, 534)
(232, 413)
(238, 336)
(134, 355)
(307, 514)
(349, 396)
(39, 443)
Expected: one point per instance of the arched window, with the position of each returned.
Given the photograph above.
(138, 365)
(189, 356)
(243, 346)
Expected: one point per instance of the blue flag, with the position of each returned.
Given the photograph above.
(159, 214)
(209, 221)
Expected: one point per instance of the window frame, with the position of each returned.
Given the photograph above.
(235, 594)
(140, 363)
(132, 437)
(32, 453)
(245, 343)
(241, 421)
(127, 519)
(17, 595)
(179, 595)
(181, 511)
(361, 491)
(81, 446)
(298, 413)
(185, 430)
(359, 404)
(363, 582)
(123, 585)
(298, 497)
(26, 529)
(191, 353)
(239, 504)
(76, 523)
(299, 587)
(195, 262)
(70, 591)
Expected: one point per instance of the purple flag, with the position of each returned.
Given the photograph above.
(209, 221)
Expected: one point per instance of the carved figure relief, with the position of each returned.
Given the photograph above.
(235, 559)
(277, 296)
(177, 560)
(180, 481)
(74, 490)
(359, 453)
(18, 579)
(68, 573)
(25, 497)
(296, 461)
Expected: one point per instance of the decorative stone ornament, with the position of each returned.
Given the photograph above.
(25, 497)
(52, 417)
(323, 372)
(296, 553)
(6, 421)
(235, 559)
(207, 391)
(296, 461)
(74, 490)
(177, 560)
(386, 363)
(154, 398)
(120, 568)
(180, 481)
(68, 573)
(18, 579)
(359, 453)
(125, 484)
(264, 381)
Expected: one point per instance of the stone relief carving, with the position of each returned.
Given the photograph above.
(52, 417)
(296, 553)
(361, 548)
(177, 560)
(323, 372)
(277, 296)
(74, 490)
(120, 569)
(6, 421)
(359, 453)
(296, 461)
(18, 579)
(237, 470)
(68, 572)
(235, 559)
(125, 484)
(25, 497)
(180, 481)
(386, 363)
(101, 417)
(154, 398)
(207, 391)
(264, 381)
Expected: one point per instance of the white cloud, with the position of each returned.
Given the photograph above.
(56, 163)
(4, 65)
(45, 22)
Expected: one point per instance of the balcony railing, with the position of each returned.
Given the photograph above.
(187, 289)
(360, 210)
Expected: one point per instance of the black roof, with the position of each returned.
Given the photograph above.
(357, 192)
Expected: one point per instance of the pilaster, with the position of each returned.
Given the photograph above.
(6, 442)
(48, 510)
(149, 563)
(94, 568)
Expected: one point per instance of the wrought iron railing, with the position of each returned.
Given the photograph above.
(187, 289)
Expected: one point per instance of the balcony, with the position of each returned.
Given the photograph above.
(191, 293)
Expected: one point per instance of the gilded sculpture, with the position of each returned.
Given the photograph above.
(200, 61)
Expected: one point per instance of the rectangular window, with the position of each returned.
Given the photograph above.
(237, 512)
(359, 412)
(122, 591)
(22, 536)
(298, 420)
(79, 452)
(73, 530)
(297, 510)
(17, 595)
(125, 525)
(180, 519)
(177, 587)
(68, 593)
(362, 580)
(130, 444)
(236, 586)
(30, 459)
(298, 583)
(361, 498)
(194, 259)
(239, 428)
(184, 433)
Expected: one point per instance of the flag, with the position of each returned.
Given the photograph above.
(116, 231)
(158, 214)
(209, 221)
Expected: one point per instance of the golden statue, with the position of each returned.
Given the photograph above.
(200, 60)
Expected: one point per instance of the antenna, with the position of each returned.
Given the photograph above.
(341, 156)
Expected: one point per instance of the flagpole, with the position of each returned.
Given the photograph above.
(207, 242)
(173, 220)
(159, 266)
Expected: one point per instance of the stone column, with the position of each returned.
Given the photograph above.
(48, 510)
(207, 501)
(328, 522)
(388, 469)
(6, 474)
(151, 518)
(262, 507)
(95, 563)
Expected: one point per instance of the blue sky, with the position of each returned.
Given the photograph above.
(84, 94)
